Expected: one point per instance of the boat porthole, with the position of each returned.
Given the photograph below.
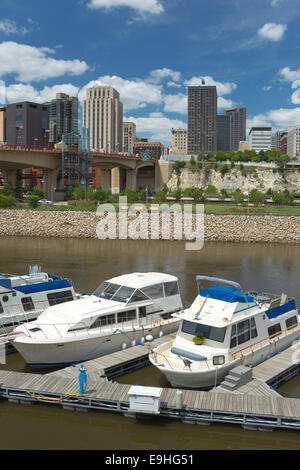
(5, 298)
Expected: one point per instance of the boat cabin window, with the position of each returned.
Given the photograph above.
(138, 296)
(28, 305)
(56, 298)
(243, 332)
(274, 330)
(154, 292)
(126, 316)
(1, 308)
(291, 322)
(103, 321)
(209, 332)
(171, 288)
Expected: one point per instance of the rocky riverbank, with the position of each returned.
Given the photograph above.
(223, 228)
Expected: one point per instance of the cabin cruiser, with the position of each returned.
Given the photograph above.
(223, 328)
(24, 298)
(123, 311)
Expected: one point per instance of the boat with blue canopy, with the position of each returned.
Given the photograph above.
(24, 297)
(223, 328)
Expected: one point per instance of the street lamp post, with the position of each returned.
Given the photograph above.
(246, 194)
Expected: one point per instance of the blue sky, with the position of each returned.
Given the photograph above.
(151, 50)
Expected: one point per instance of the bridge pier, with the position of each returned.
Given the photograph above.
(106, 179)
(131, 179)
(115, 181)
(50, 183)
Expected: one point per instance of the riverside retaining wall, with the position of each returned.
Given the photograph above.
(223, 228)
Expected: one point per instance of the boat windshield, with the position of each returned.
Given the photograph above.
(115, 292)
(209, 332)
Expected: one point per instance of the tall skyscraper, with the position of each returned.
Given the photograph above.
(224, 133)
(238, 127)
(63, 116)
(202, 119)
(129, 136)
(2, 124)
(26, 123)
(103, 116)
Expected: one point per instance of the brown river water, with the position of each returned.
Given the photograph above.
(86, 263)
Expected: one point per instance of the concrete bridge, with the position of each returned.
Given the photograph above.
(118, 170)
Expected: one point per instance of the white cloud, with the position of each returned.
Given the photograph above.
(222, 88)
(289, 75)
(224, 103)
(295, 98)
(272, 31)
(10, 27)
(267, 87)
(134, 94)
(176, 103)
(141, 6)
(25, 92)
(275, 3)
(30, 63)
(156, 126)
(282, 118)
(174, 85)
(158, 75)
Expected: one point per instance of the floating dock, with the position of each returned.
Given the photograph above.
(253, 405)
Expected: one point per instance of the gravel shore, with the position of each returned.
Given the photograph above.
(223, 228)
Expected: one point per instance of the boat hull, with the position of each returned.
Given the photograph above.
(209, 378)
(75, 349)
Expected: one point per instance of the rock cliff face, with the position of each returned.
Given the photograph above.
(246, 179)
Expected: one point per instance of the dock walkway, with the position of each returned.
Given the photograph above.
(253, 406)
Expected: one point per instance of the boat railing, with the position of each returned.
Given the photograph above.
(61, 330)
(268, 339)
(38, 306)
(178, 361)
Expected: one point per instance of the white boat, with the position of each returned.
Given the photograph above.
(24, 298)
(231, 328)
(122, 312)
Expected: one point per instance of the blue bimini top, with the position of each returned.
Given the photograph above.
(225, 294)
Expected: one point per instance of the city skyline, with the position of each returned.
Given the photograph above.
(151, 51)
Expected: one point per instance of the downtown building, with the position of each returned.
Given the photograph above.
(103, 116)
(63, 116)
(129, 136)
(260, 138)
(224, 133)
(26, 124)
(179, 141)
(238, 126)
(202, 119)
(293, 142)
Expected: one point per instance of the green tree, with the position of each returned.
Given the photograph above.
(7, 190)
(238, 196)
(6, 201)
(38, 192)
(160, 196)
(256, 197)
(78, 193)
(33, 201)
